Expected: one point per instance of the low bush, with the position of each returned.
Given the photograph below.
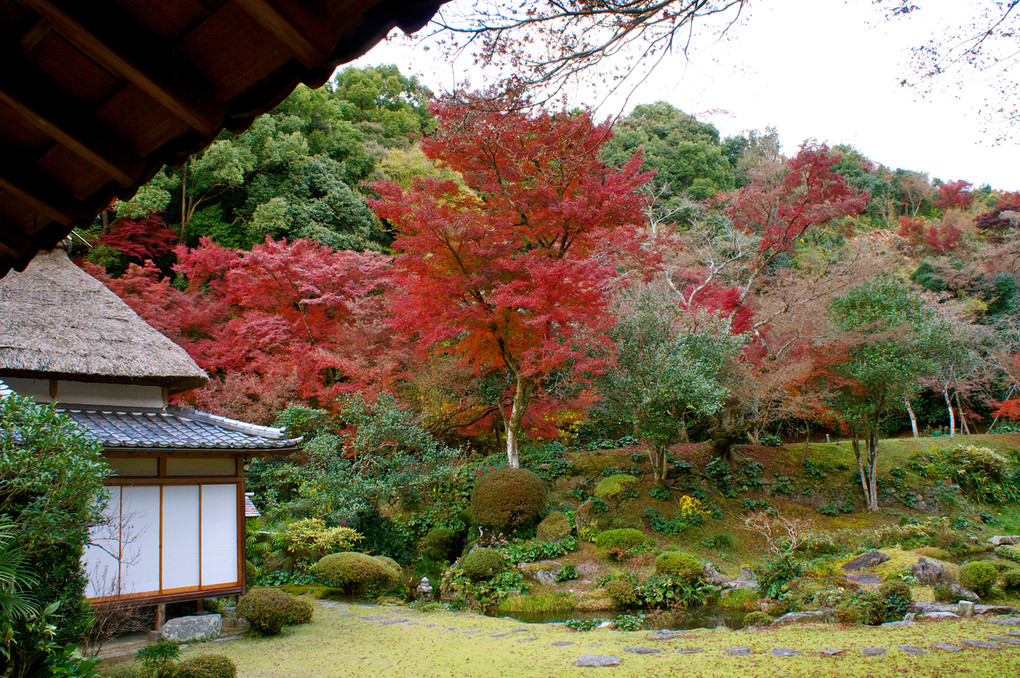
(625, 538)
(308, 540)
(356, 572)
(945, 594)
(857, 610)
(506, 499)
(1010, 579)
(776, 575)
(758, 618)
(268, 610)
(683, 566)
(979, 577)
(894, 599)
(613, 487)
(440, 544)
(553, 527)
(623, 592)
(207, 666)
(483, 564)
(389, 562)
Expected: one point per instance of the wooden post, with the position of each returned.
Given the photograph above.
(160, 616)
(199, 605)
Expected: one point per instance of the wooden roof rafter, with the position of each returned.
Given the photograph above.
(96, 97)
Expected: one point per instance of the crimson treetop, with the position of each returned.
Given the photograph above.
(509, 271)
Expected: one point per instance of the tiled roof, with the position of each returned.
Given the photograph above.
(175, 428)
(249, 507)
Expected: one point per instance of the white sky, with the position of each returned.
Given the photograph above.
(827, 70)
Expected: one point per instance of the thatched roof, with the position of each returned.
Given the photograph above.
(95, 97)
(58, 322)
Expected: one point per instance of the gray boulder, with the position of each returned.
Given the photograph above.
(802, 617)
(543, 571)
(930, 572)
(712, 575)
(864, 561)
(191, 629)
(1004, 540)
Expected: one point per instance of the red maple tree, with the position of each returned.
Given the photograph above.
(510, 272)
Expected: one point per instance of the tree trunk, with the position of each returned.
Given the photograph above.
(873, 474)
(952, 416)
(522, 393)
(913, 417)
(856, 443)
(184, 202)
(964, 429)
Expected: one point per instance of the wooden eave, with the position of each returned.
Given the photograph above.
(96, 97)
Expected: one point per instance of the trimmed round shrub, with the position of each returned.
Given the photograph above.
(298, 611)
(857, 610)
(441, 543)
(266, 610)
(506, 499)
(758, 618)
(356, 572)
(624, 538)
(979, 577)
(623, 593)
(553, 527)
(681, 565)
(483, 564)
(1010, 579)
(207, 666)
(389, 562)
(612, 488)
(894, 599)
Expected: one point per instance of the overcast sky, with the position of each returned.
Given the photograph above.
(828, 70)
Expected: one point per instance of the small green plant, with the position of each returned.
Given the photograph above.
(717, 541)
(659, 492)
(624, 593)
(624, 538)
(158, 660)
(583, 624)
(755, 506)
(758, 618)
(629, 622)
(567, 573)
(483, 564)
(207, 666)
(776, 575)
(979, 576)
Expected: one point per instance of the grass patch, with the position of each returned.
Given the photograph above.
(541, 602)
(333, 645)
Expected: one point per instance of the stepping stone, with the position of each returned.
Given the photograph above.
(981, 643)
(831, 652)
(664, 634)
(410, 623)
(940, 615)
(642, 650)
(1008, 621)
(864, 578)
(471, 631)
(499, 635)
(430, 626)
(874, 651)
(739, 651)
(562, 643)
(1013, 633)
(911, 649)
(1003, 639)
(375, 617)
(947, 647)
(519, 629)
(349, 614)
(450, 628)
(527, 640)
(392, 621)
(597, 660)
(897, 624)
(689, 650)
(594, 644)
(784, 652)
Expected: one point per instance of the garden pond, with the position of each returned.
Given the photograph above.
(701, 617)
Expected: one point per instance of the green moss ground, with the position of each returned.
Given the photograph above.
(343, 646)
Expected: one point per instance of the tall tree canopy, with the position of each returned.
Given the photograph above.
(510, 271)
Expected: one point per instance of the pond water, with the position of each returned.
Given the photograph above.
(704, 617)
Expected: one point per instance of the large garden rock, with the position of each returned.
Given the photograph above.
(586, 517)
(712, 575)
(802, 617)
(1004, 539)
(543, 571)
(863, 562)
(190, 629)
(930, 572)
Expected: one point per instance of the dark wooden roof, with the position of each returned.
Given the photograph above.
(96, 96)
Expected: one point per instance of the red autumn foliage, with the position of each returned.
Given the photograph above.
(512, 275)
(808, 193)
(141, 239)
(940, 237)
(283, 321)
(954, 194)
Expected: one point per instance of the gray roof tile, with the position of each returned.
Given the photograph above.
(174, 428)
